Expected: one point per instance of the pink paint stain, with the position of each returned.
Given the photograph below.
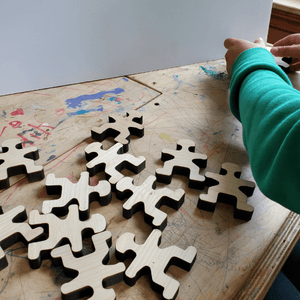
(3, 130)
(18, 112)
(59, 111)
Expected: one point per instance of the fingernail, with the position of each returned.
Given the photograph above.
(274, 50)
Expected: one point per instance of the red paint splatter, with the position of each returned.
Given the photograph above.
(18, 112)
(3, 130)
(39, 128)
(15, 124)
(33, 135)
(24, 140)
(59, 111)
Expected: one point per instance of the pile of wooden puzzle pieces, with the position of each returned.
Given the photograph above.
(51, 237)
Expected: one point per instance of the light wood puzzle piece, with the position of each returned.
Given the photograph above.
(112, 161)
(81, 193)
(150, 259)
(15, 160)
(227, 187)
(120, 128)
(183, 161)
(93, 273)
(61, 230)
(14, 230)
(146, 198)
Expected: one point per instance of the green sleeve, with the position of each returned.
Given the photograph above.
(263, 99)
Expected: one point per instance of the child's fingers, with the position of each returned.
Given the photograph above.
(289, 40)
(230, 42)
(260, 42)
(286, 51)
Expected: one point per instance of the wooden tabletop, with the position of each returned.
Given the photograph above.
(235, 260)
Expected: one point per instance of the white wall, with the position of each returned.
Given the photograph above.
(47, 43)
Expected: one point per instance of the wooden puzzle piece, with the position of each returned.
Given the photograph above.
(150, 259)
(146, 198)
(60, 230)
(80, 192)
(183, 161)
(112, 161)
(120, 128)
(14, 230)
(15, 160)
(93, 273)
(227, 187)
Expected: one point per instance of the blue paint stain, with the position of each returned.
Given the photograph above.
(214, 74)
(51, 157)
(125, 79)
(77, 102)
(114, 99)
(3, 114)
(215, 133)
(50, 152)
(180, 82)
(83, 111)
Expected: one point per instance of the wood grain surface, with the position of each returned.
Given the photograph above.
(235, 259)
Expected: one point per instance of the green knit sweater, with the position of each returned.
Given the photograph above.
(263, 99)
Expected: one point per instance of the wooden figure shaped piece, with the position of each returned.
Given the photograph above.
(14, 230)
(112, 161)
(146, 198)
(80, 192)
(183, 161)
(152, 260)
(15, 160)
(60, 230)
(93, 273)
(227, 187)
(120, 128)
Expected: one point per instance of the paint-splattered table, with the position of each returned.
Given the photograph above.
(236, 259)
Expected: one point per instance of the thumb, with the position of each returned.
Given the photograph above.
(288, 51)
(260, 42)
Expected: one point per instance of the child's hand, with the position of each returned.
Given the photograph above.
(236, 47)
(289, 47)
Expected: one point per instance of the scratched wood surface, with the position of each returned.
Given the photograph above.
(236, 259)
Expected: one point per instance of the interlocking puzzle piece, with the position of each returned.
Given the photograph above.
(183, 161)
(227, 187)
(112, 161)
(60, 230)
(93, 273)
(146, 198)
(13, 231)
(120, 128)
(150, 259)
(15, 160)
(80, 192)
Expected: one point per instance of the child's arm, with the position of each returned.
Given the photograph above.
(263, 99)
